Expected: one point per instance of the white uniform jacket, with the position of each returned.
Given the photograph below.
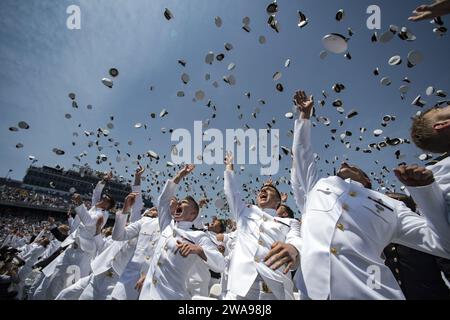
(345, 228)
(256, 231)
(169, 271)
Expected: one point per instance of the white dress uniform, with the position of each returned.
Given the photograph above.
(145, 233)
(257, 230)
(89, 287)
(74, 262)
(199, 281)
(51, 249)
(169, 271)
(229, 240)
(345, 228)
(30, 259)
(7, 241)
(441, 172)
(107, 266)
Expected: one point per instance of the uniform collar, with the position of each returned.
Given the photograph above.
(359, 184)
(271, 212)
(185, 225)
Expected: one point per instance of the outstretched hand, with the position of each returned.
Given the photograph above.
(187, 169)
(304, 104)
(229, 161)
(428, 12)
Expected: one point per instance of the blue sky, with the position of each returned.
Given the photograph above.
(41, 62)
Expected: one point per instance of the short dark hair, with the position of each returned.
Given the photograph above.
(425, 137)
(223, 226)
(289, 210)
(192, 200)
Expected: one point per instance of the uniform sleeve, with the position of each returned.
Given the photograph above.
(138, 204)
(419, 232)
(304, 173)
(164, 216)
(84, 216)
(294, 237)
(122, 233)
(74, 224)
(432, 204)
(100, 243)
(97, 193)
(214, 259)
(232, 194)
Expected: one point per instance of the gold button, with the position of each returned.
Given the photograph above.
(340, 226)
(166, 248)
(158, 263)
(264, 219)
(256, 259)
(352, 194)
(147, 257)
(395, 259)
(345, 207)
(393, 249)
(155, 281)
(260, 242)
(174, 233)
(396, 270)
(334, 251)
(399, 282)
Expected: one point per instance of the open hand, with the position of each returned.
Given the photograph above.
(281, 254)
(304, 104)
(428, 12)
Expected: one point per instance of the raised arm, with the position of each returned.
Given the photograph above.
(164, 214)
(304, 169)
(231, 188)
(120, 232)
(138, 204)
(82, 212)
(97, 193)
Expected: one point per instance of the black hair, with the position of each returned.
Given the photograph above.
(288, 209)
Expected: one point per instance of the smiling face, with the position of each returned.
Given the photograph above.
(351, 172)
(431, 130)
(216, 226)
(186, 210)
(268, 197)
